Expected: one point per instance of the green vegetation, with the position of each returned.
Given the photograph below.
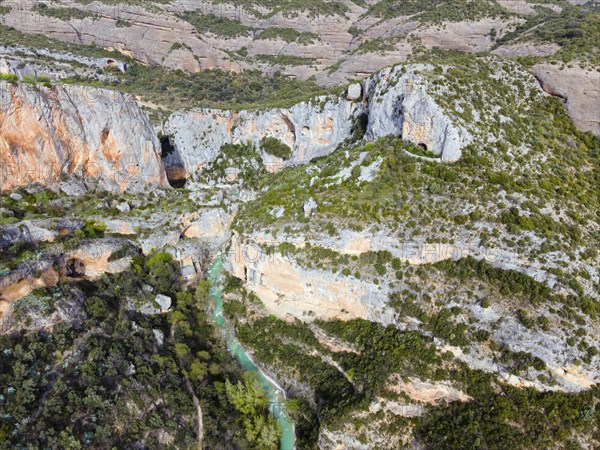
(509, 417)
(437, 11)
(497, 183)
(147, 4)
(275, 147)
(378, 45)
(236, 162)
(27, 79)
(219, 25)
(94, 229)
(121, 23)
(286, 60)
(288, 35)
(575, 28)
(497, 416)
(251, 401)
(64, 14)
(290, 8)
(103, 367)
(511, 282)
(103, 364)
(10, 77)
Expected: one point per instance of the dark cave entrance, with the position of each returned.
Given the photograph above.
(174, 167)
(75, 268)
(423, 146)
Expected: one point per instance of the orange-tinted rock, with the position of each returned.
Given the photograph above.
(99, 135)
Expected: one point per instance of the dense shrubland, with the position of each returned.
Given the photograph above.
(498, 416)
(75, 385)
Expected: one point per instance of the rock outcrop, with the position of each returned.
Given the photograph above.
(580, 90)
(400, 105)
(310, 129)
(394, 101)
(101, 136)
(286, 288)
(90, 261)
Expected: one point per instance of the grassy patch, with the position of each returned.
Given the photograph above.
(289, 35)
(219, 25)
(286, 60)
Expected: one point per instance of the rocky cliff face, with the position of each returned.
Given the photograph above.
(90, 261)
(101, 136)
(579, 89)
(400, 105)
(310, 129)
(394, 102)
(287, 289)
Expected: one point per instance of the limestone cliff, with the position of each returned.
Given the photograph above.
(394, 102)
(286, 288)
(400, 105)
(311, 129)
(101, 136)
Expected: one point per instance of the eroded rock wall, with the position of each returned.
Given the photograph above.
(99, 135)
(395, 101)
(400, 105)
(287, 289)
(310, 129)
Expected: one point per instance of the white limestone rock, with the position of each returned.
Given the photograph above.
(354, 92)
(309, 206)
(310, 129)
(400, 105)
(396, 101)
(163, 301)
(123, 207)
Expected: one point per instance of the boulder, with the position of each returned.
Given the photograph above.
(354, 92)
(163, 301)
(123, 207)
(309, 207)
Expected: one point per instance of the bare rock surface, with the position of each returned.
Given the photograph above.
(101, 136)
(579, 88)
(395, 101)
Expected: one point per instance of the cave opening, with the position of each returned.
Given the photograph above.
(174, 166)
(423, 146)
(75, 268)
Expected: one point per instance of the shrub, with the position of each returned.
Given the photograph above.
(275, 147)
(94, 229)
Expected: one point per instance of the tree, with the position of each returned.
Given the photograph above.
(250, 400)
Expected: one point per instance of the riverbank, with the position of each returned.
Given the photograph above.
(275, 392)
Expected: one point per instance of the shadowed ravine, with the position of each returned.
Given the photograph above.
(274, 391)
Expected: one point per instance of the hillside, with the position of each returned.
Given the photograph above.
(251, 224)
(327, 42)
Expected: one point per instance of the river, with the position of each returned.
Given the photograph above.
(273, 390)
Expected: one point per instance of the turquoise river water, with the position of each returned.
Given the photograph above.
(274, 392)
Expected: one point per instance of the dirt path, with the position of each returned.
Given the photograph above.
(189, 387)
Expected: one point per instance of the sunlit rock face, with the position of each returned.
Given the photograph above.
(392, 102)
(101, 136)
(310, 129)
(400, 105)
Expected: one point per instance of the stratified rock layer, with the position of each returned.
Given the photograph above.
(394, 102)
(99, 135)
